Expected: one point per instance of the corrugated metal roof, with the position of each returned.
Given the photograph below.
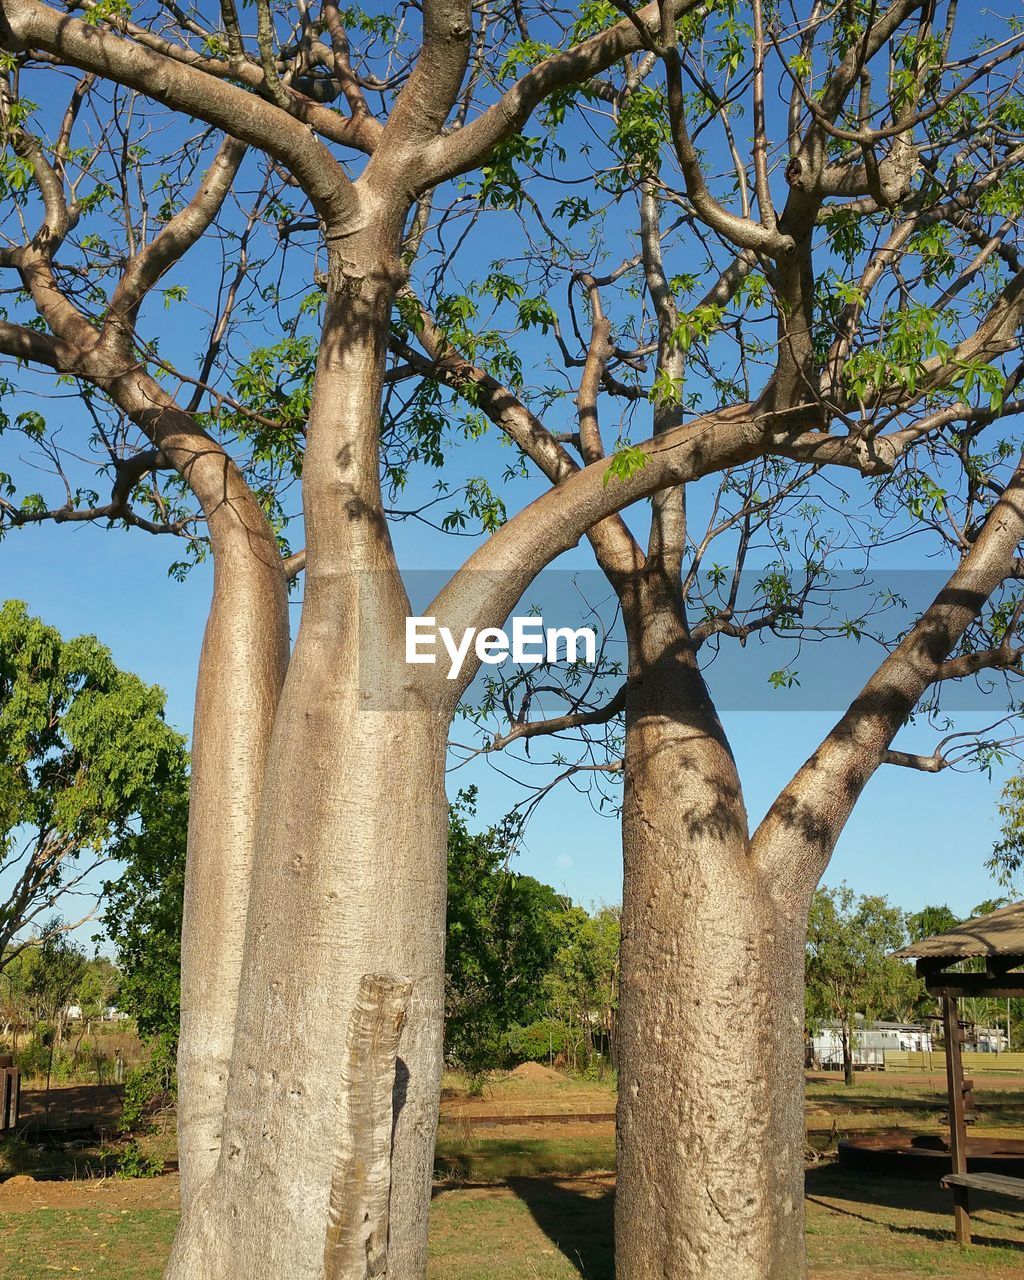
(1001, 933)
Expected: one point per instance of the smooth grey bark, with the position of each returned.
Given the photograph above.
(241, 672)
(343, 883)
(240, 676)
(336, 871)
(710, 1125)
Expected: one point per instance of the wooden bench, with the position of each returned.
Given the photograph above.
(998, 1183)
(961, 1184)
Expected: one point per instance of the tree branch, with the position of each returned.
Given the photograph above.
(30, 25)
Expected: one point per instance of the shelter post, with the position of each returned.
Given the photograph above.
(957, 1125)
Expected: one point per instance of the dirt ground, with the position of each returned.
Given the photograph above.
(22, 1194)
(545, 1213)
(552, 1228)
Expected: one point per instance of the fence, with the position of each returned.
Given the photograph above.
(935, 1060)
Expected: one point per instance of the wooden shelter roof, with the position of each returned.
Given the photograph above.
(1000, 933)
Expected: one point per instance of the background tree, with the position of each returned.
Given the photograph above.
(583, 985)
(55, 979)
(142, 914)
(930, 920)
(96, 992)
(16, 1001)
(850, 968)
(502, 933)
(85, 751)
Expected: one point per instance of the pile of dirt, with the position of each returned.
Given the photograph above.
(21, 1194)
(536, 1073)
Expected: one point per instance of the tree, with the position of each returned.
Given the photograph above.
(930, 920)
(98, 989)
(55, 979)
(848, 306)
(85, 750)
(583, 986)
(850, 968)
(501, 938)
(142, 916)
(16, 1001)
(820, 287)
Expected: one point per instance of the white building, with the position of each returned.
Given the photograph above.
(871, 1040)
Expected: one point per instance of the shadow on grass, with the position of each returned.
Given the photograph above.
(994, 1105)
(577, 1222)
(828, 1183)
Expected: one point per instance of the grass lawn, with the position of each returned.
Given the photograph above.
(534, 1202)
(533, 1229)
(115, 1244)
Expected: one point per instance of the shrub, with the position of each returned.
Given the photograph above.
(537, 1042)
(133, 1162)
(146, 1086)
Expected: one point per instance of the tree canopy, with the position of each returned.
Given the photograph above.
(87, 758)
(850, 968)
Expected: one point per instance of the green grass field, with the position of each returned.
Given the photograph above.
(535, 1202)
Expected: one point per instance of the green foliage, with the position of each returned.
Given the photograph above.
(142, 916)
(501, 184)
(34, 1058)
(913, 333)
(502, 937)
(696, 326)
(642, 128)
(538, 1041)
(536, 313)
(625, 462)
(85, 750)
(583, 986)
(107, 10)
(147, 1084)
(1008, 852)
(133, 1162)
(929, 921)
(850, 968)
(57, 975)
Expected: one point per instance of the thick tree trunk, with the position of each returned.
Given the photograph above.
(349, 872)
(847, 1056)
(349, 881)
(710, 1112)
(241, 670)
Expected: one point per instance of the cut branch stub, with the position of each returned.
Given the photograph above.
(357, 1224)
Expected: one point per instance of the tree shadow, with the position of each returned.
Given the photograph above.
(828, 1183)
(578, 1221)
